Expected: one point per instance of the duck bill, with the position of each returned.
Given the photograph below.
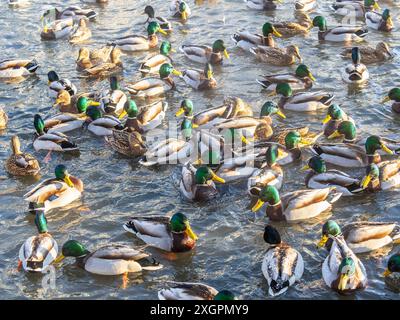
(245, 141)
(386, 149)
(179, 112)
(163, 32)
(281, 114)
(176, 73)
(45, 29)
(190, 232)
(209, 74)
(386, 99)
(387, 273)
(94, 103)
(344, 279)
(276, 33)
(257, 206)
(68, 181)
(226, 54)
(184, 15)
(172, 50)
(323, 241)
(195, 126)
(390, 22)
(197, 162)
(271, 94)
(56, 103)
(376, 6)
(365, 182)
(217, 179)
(311, 77)
(327, 119)
(305, 168)
(59, 258)
(303, 142)
(122, 115)
(335, 134)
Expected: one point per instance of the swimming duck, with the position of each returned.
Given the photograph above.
(107, 68)
(153, 61)
(342, 271)
(55, 141)
(206, 54)
(128, 143)
(55, 192)
(64, 122)
(393, 95)
(153, 87)
(163, 22)
(38, 252)
(301, 79)
(378, 21)
(361, 236)
(277, 56)
(81, 33)
(247, 40)
(83, 61)
(172, 234)
(282, 265)
(340, 33)
(74, 12)
(21, 163)
(370, 54)
(3, 119)
(289, 28)
(134, 43)
(305, 5)
(17, 68)
(296, 205)
(57, 29)
(200, 80)
(320, 178)
(392, 273)
(265, 5)
(101, 125)
(179, 9)
(357, 8)
(382, 176)
(194, 291)
(356, 72)
(112, 101)
(77, 103)
(334, 117)
(302, 101)
(56, 84)
(98, 56)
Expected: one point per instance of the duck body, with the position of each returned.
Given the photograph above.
(266, 176)
(57, 29)
(81, 33)
(378, 21)
(21, 163)
(188, 291)
(62, 84)
(370, 54)
(387, 177)
(306, 101)
(152, 62)
(134, 43)
(152, 115)
(127, 143)
(151, 87)
(3, 119)
(356, 72)
(343, 34)
(269, 82)
(55, 141)
(104, 126)
(247, 40)
(64, 122)
(276, 56)
(74, 12)
(197, 79)
(205, 54)
(17, 68)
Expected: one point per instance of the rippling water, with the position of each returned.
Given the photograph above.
(231, 247)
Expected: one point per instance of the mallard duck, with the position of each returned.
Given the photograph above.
(247, 40)
(320, 178)
(128, 143)
(305, 5)
(200, 80)
(101, 125)
(38, 252)
(55, 141)
(382, 176)
(56, 85)
(277, 56)
(350, 155)
(392, 273)
(289, 28)
(74, 104)
(153, 61)
(340, 33)
(362, 236)
(393, 95)
(21, 163)
(98, 56)
(134, 43)
(334, 117)
(64, 122)
(355, 8)
(110, 260)
(80, 34)
(57, 29)
(3, 119)
(163, 22)
(83, 61)
(265, 5)
(205, 54)
(55, 192)
(172, 234)
(378, 21)
(282, 265)
(370, 55)
(74, 12)
(342, 270)
(356, 72)
(301, 79)
(296, 205)
(194, 291)
(302, 101)
(106, 68)
(153, 87)
(112, 101)
(17, 68)
(179, 9)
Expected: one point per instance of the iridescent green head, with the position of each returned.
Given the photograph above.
(346, 129)
(272, 155)
(131, 108)
(347, 267)
(335, 113)
(224, 295)
(317, 164)
(394, 263)
(271, 235)
(165, 48)
(182, 7)
(62, 174)
(331, 228)
(153, 28)
(374, 143)
(93, 113)
(186, 108)
(355, 55)
(166, 70)
(114, 85)
(270, 194)
(41, 222)
(73, 248)
(302, 71)
(320, 22)
(292, 140)
(284, 89)
(269, 108)
(371, 4)
(386, 15)
(218, 46)
(186, 128)
(268, 29)
(52, 76)
(180, 223)
(394, 95)
(82, 104)
(38, 124)
(204, 174)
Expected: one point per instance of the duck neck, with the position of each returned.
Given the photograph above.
(275, 212)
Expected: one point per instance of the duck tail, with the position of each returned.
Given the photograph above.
(276, 288)
(335, 195)
(68, 146)
(153, 264)
(316, 149)
(253, 50)
(144, 69)
(32, 66)
(362, 32)
(91, 14)
(235, 38)
(264, 83)
(327, 99)
(396, 234)
(35, 208)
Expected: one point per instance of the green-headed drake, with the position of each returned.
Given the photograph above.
(382, 176)
(153, 61)
(393, 95)
(74, 104)
(194, 291)
(355, 72)
(334, 117)
(180, 9)
(200, 79)
(163, 22)
(17, 68)
(381, 52)
(206, 54)
(112, 101)
(101, 125)
(379, 21)
(392, 272)
(359, 8)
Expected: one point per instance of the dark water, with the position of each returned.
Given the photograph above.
(230, 248)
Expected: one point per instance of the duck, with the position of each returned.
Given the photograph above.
(112, 101)
(83, 61)
(289, 29)
(57, 29)
(17, 68)
(334, 117)
(302, 101)
(179, 9)
(277, 56)
(3, 119)
(64, 122)
(153, 61)
(152, 87)
(101, 125)
(302, 79)
(282, 265)
(110, 259)
(361, 236)
(21, 163)
(128, 143)
(206, 54)
(200, 80)
(382, 176)
(297, 205)
(74, 12)
(379, 21)
(305, 5)
(107, 68)
(55, 141)
(194, 291)
(391, 273)
(370, 54)
(319, 178)
(340, 33)
(56, 85)
(171, 234)
(357, 8)
(393, 95)
(75, 104)
(133, 43)
(342, 271)
(54, 193)
(163, 22)
(99, 56)
(38, 252)
(356, 72)
(262, 5)
(81, 33)
(247, 40)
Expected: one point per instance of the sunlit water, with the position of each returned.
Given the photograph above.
(230, 247)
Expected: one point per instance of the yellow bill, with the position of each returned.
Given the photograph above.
(216, 178)
(344, 279)
(172, 50)
(327, 119)
(305, 168)
(311, 77)
(244, 140)
(163, 32)
(376, 6)
(335, 134)
(209, 74)
(176, 72)
(94, 103)
(226, 54)
(386, 99)
(184, 15)
(276, 33)
(281, 114)
(365, 182)
(323, 241)
(386, 149)
(194, 126)
(122, 115)
(190, 232)
(68, 181)
(179, 112)
(387, 273)
(257, 206)
(59, 258)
